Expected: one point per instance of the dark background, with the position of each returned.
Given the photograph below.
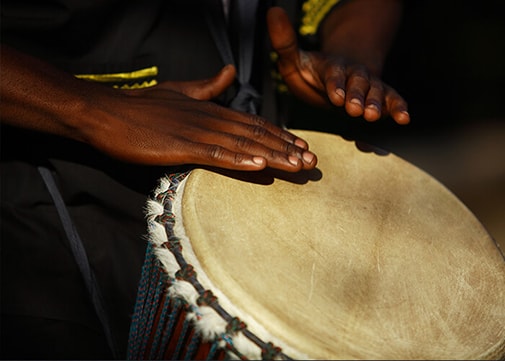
(448, 62)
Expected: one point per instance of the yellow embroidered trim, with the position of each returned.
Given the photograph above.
(114, 77)
(145, 84)
(122, 77)
(314, 13)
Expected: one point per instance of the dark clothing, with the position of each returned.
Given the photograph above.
(41, 286)
(113, 36)
(45, 309)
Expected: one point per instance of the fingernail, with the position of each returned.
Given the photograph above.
(372, 106)
(405, 119)
(293, 159)
(301, 143)
(259, 160)
(340, 92)
(308, 157)
(356, 101)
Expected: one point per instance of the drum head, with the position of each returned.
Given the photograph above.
(365, 257)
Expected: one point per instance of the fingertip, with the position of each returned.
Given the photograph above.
(228, 68)
(339, 92)
(309, 159)
(301, 143)
(337, 97)
(402, 117)
(354, 107)
(372, 113)
(294, 160)
(259, 161)
(356, 101)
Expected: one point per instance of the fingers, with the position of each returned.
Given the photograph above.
(250, 134)
(350, 89)
(364, 95)
(211, 88)
(357, 88)
(243, 153)
(282, 150)
(382, 100)
(218, 156)
(345, 85)
(397, 107)
(283, 39)
(237, 152)
(165, 127)
(373, 102)
(335, 80)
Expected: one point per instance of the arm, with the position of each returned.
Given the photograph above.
(44, 100)
(363, 31)
(355, 39)
(168, 124)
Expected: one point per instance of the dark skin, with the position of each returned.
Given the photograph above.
(175, 123)
(355, 40)
(168, 124)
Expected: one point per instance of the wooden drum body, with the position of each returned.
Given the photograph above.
(366, 257)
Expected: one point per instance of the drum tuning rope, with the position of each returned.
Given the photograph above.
(174, 315)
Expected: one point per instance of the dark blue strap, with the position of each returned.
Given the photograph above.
(247, 98)
(80, 255)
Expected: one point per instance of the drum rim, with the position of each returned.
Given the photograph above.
(177, 204)
(177, 254)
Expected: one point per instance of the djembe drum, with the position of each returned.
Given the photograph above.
(365, 257)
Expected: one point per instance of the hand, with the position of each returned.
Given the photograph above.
(174, 123)
(330, 80)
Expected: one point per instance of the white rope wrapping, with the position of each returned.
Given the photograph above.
(207, 322)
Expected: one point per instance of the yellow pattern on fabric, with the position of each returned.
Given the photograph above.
(314, 12)
(145, 84)
(123, 77)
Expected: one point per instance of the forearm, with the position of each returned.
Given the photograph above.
(362, 31)
(37, 96)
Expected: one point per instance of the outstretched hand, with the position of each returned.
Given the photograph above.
(327, 80)
(174, 123)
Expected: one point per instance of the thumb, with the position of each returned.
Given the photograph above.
(283, 39)
(205, 89)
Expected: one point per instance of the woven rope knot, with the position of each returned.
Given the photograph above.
(164, 217)
(173, 244)
(186, 273)
(207, 298)
(270, 351)
(235, 325)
